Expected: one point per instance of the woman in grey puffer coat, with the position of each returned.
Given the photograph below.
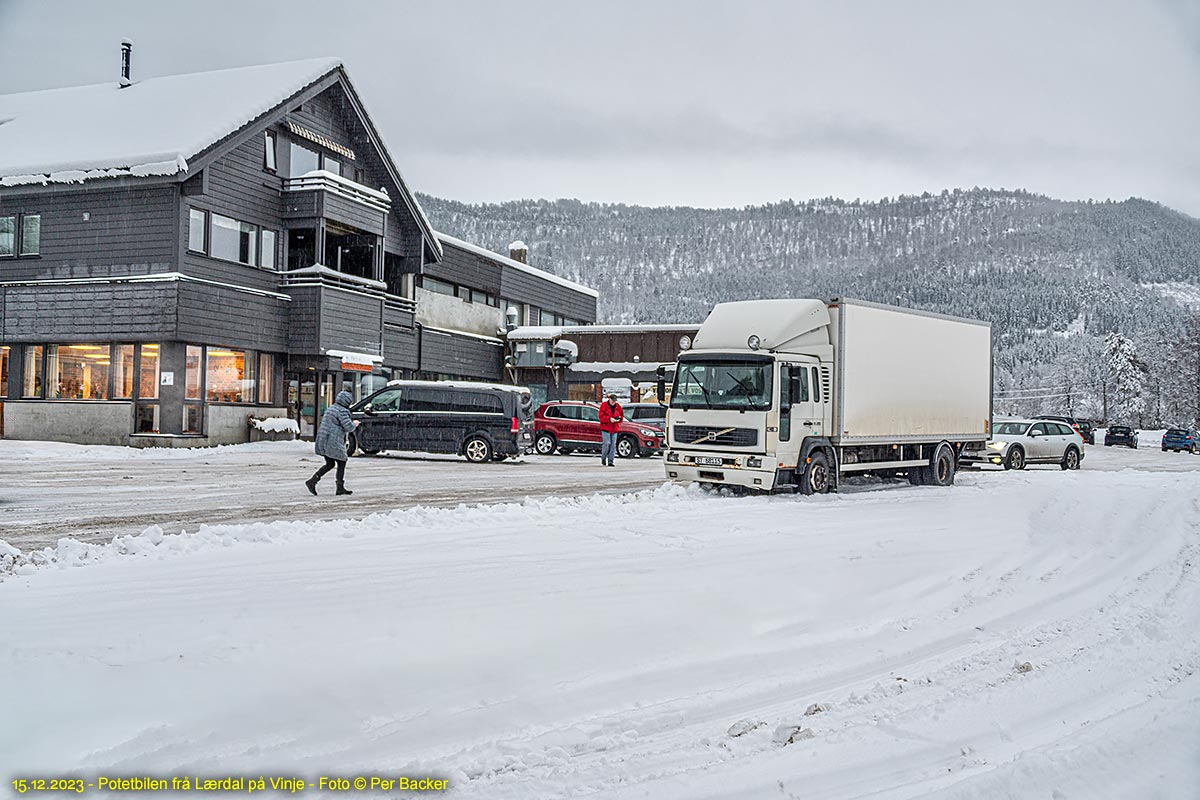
(331, 442)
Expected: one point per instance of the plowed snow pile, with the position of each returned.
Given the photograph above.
(1019, 635)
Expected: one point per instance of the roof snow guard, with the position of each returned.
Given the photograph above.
(152, 127)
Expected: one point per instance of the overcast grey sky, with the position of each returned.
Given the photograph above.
(701, 102)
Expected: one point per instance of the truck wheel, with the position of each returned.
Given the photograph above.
(626, 447)
(1070, 459)
(917, 475)
(1016, 459)
(815, 479)
(478, 450)
(545, 444)
(941, 471)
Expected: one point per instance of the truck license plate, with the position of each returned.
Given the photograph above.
(709, 461)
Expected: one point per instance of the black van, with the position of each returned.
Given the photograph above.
(482, 421)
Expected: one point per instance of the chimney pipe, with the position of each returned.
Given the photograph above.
(518, 251)
(126, 59)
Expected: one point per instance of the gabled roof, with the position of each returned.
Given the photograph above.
(156, 126)
(150, 128)
(446, 238)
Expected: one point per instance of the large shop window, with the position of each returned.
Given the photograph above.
(31, 384)
(228, 377)
(78, 371)
(266, 383)
(4, 370)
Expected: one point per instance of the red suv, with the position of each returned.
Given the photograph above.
(566, 426)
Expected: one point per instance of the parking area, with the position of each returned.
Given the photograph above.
(96, 493)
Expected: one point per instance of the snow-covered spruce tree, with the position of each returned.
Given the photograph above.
(1126, 380)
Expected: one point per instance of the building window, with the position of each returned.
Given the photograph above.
(267, 256)
(266, 373)
(31, 234)
(148, 372)
(303, 160)
(234, 240)
(226, 377)
(269, 151)
(197, 231)
(147, 418)
(8, 236)
(4, 370)
(78, 371)
(32, 383)
(122, 369)
(332, 165)
(434, 285)
(302, 248)
(464, 294)
(193, 418)
(192, 386)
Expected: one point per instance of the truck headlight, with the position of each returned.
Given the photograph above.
(672, 456)
(753, 461)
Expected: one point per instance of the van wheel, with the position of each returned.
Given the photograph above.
(626, 447)
(815, 479)
(478, 450)
(1016, 459)
(545, 444)
(1070, 459)
(352, 447)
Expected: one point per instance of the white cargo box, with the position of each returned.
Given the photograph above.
(904, 375)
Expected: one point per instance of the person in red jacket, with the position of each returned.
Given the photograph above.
(611, 415)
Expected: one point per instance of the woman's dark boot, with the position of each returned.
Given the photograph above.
(311, 483)
(342, 489)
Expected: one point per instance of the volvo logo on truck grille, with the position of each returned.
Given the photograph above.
(732, 437)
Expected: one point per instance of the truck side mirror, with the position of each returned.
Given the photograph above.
(661, 374)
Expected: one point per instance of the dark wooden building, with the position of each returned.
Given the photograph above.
(181, 253)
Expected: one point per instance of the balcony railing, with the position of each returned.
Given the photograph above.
(321, 276)
(330, 182)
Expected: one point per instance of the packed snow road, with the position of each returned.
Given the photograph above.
(1029, 634)
(95, 493)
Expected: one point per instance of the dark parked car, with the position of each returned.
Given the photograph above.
(648, 413)
(1122, 435)
(481, 421)
(568, 425)
(1082, 426)
(1177, 439)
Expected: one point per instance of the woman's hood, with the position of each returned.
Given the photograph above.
(344, 399)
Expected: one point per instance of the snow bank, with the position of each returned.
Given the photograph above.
(275, 425)
(17, 450)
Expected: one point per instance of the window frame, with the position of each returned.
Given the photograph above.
(204, 230)
(270, 152)
(20, 248)
(18, 235)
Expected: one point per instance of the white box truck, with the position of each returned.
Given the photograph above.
(795, 394)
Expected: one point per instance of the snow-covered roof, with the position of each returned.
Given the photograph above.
(510, 262)
(555, 331)
(150, 128)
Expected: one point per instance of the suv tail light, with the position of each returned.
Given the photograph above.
(516, 426)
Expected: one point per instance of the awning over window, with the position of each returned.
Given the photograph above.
(324, 141)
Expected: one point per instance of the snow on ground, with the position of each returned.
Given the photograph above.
(1186, 294)
(606, 645)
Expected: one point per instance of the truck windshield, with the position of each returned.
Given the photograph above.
(722, 383)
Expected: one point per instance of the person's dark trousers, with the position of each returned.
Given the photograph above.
(330, 463)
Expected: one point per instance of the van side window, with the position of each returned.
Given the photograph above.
(419, 400)
(388, 400)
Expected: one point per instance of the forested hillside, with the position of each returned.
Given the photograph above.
(1055, 278)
